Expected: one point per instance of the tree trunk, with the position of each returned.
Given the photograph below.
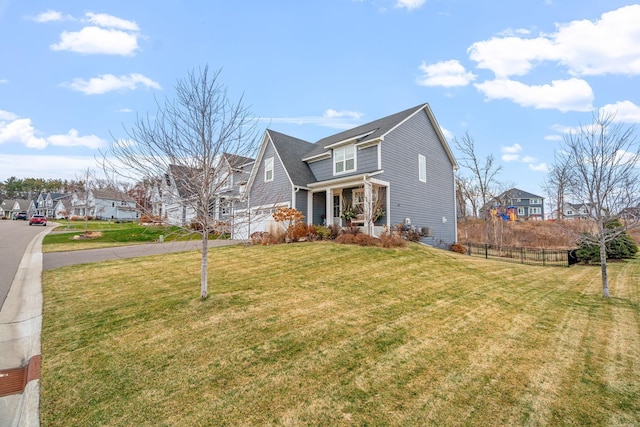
(603, 269)
(204, 264)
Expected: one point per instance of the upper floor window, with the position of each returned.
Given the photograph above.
(268, 169)
(344, 159)
(536, 201)
(422, 168)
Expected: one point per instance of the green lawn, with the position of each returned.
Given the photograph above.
(327, 334)
(113, 234)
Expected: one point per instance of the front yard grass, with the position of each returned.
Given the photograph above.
(112, 234)
(328, 334)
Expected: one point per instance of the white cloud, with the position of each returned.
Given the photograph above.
(331, 113)
(410, 4)
(45, 166)
(72, 139)
(109, 82)
(510, 157)
(511, 56)
(528, 159)
(21, 131)
(109, 21)
(51, 16)
(96, 40)
(16, 130)
(446, 74)
(330, 118)
(623, 111)
(542, 167)
(553, 138)
(564, 95)
(7, 115)
(608, 45)
(447, 133)
(515, 148)
(4, 81)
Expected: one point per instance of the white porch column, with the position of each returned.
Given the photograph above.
(368, 202)
(329, 207)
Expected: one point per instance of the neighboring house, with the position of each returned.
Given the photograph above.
(172, 200)
(10, 207)
(575, 211)
(50, 205)
(400, 164)
(104, 204)
(525, 205)
(175, 201)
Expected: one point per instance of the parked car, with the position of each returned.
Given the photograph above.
(20, 215)
(39, 220)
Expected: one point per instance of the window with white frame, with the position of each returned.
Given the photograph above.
(536, 201)
(344, 159)
(521, 211)
(268, 169)
(535, 211)
(422, 168)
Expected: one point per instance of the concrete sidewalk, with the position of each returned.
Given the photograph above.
(20, 327)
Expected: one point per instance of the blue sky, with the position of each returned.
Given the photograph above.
(516, 75)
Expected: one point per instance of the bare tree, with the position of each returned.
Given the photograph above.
(556, 184)
(483, 172)
(188, 135)
(602, 160)
(86, 184)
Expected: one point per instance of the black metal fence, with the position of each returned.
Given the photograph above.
(531, 256)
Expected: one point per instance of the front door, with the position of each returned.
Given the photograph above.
(336, 209)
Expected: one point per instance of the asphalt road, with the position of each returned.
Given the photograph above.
(53, 260)
(15, 236)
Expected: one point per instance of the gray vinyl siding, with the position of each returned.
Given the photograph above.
(366, 161)
(425, 203)
(319, 207)
(272, 192)
(301, 202)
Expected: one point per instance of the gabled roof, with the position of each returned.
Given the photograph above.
(182, 175)
(516, 193)
(291, 150)
(236, 161)
(110, 194)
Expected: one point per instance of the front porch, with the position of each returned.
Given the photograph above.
(358, 200)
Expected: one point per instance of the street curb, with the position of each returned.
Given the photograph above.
(20, 328)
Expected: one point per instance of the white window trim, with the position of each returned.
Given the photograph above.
(344, 161)
(422, 168)
(268, 167)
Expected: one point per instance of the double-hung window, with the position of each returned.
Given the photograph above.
(422, 168)
(344, 159)
(268, 169)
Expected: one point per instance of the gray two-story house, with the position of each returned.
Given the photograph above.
(395, 170)
(526, 206)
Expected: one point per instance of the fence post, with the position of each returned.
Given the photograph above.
(486, 251)
(521, 255)
(543, 257)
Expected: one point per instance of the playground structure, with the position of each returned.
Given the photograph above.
(508, 213)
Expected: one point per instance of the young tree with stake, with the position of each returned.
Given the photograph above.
(189, 135)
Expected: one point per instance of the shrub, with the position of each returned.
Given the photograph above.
(353, 229)
(457, 247)
(346, 238)
(261, 238)
(297, 231)
(392, 239)
(365, 240)
(334, 231)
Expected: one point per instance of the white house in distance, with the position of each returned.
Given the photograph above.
(104, 204)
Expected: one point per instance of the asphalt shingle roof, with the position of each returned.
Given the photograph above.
(291, 151)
